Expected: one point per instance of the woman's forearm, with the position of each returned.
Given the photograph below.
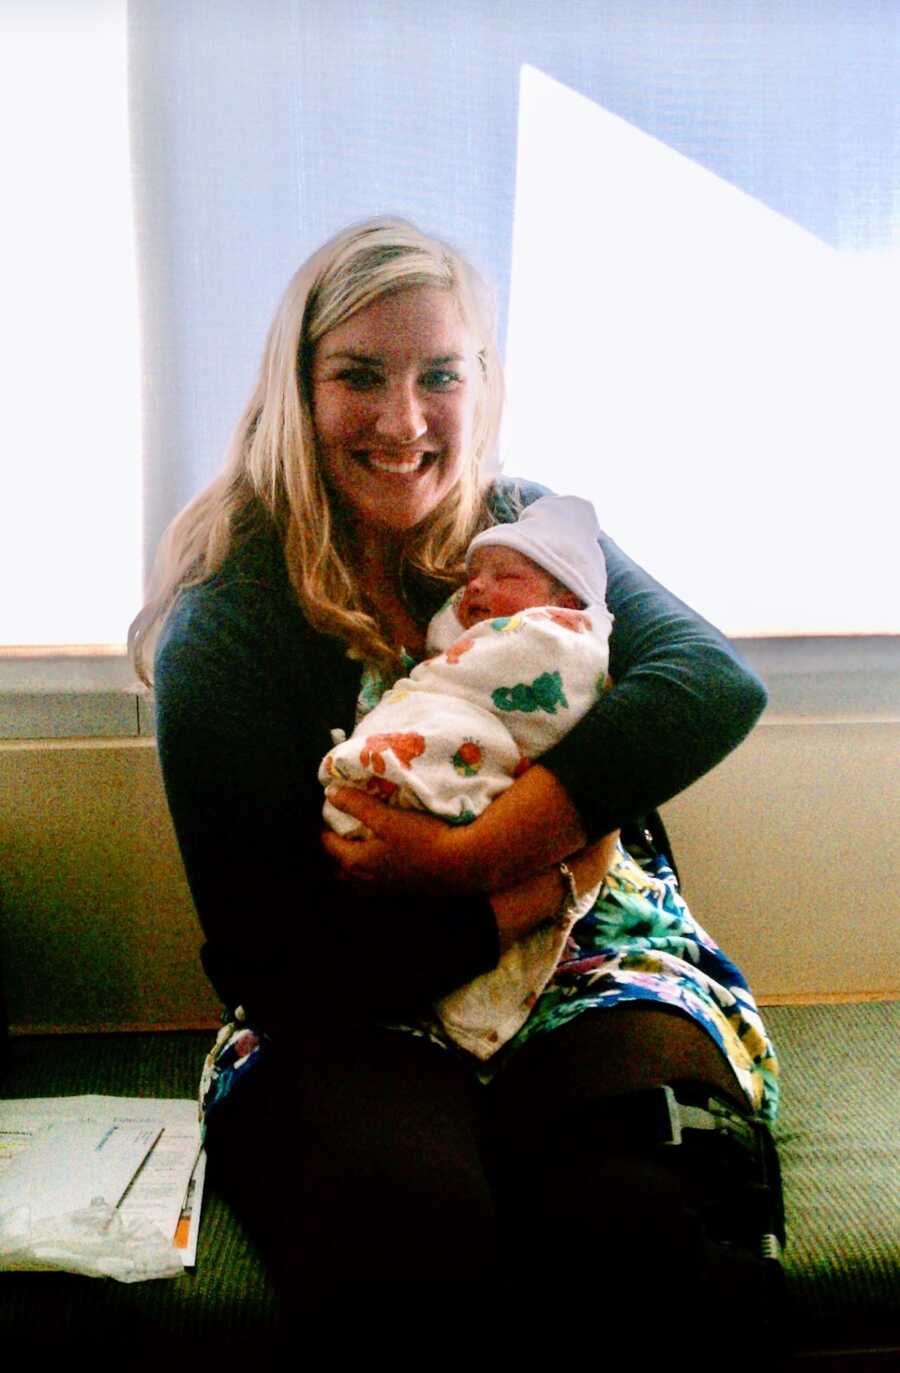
(523, 834)
(523, 831)
(519, 908)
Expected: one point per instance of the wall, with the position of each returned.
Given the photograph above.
(788, 856)
(97, 923)
(785, 852)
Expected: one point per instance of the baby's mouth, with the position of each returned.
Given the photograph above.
(471, 613)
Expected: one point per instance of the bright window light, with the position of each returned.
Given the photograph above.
(70, 509)
(720, 382)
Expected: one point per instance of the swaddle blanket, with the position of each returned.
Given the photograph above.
(465, 723)
(456, 733)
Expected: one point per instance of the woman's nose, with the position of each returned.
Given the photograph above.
(401, 416)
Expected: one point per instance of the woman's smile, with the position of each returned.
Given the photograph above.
(402, 464)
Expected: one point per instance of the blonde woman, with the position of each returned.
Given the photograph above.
(375, 1163)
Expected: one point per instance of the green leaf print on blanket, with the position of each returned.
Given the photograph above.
(545, 693)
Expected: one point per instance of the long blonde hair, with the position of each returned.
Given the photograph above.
(271, 469)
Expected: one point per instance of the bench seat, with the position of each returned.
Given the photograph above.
(838, 1137)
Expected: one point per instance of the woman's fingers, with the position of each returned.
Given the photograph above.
(358, 804)
(404, 846)
(348, 854)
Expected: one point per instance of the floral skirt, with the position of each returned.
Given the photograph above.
(639, 942)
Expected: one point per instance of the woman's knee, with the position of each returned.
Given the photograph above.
(363, 1167)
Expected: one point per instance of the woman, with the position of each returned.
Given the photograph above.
(369, 1159)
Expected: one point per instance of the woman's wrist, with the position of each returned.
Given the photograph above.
(520, 907)
(591, 864)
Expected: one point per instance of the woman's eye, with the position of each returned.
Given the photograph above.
(440, 380)
(359, 378)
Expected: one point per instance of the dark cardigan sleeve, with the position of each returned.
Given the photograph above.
(246, 695)
(682, 700)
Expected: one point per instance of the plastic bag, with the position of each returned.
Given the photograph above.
(97, 1241)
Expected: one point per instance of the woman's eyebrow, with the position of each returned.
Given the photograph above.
(351, 355)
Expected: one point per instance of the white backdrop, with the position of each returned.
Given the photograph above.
(728, 158)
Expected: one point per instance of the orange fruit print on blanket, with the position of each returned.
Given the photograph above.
(405, 747)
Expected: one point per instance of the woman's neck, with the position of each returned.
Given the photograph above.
(377, 561)
(378, 568)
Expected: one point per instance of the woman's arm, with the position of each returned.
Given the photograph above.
(246, 695)
(519, 903)
(683, 700)
(520, 907)
(529, 827)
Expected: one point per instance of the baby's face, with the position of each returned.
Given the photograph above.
(502, 581)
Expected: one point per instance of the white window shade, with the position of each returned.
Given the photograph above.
(719, 381)
(70, 501)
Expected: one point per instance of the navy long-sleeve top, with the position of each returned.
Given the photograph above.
(247, 693)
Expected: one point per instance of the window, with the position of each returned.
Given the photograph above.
(719, 380)
(70, 513)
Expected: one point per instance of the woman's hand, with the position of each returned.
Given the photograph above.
(405, 847)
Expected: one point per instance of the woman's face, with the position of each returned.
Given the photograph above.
(394, 394)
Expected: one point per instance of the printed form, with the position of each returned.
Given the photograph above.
(141, 1155)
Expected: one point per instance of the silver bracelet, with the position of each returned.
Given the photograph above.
(571, 901)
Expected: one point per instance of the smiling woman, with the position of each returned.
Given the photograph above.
(291, 593)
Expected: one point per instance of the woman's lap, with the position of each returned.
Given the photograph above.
(386, 1169)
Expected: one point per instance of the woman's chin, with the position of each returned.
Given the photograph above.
(398, 503)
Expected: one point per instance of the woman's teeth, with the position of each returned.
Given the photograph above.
(400, 466)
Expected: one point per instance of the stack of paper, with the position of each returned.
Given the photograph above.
(138, 1156)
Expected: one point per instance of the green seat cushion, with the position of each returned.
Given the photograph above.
(839, 1141)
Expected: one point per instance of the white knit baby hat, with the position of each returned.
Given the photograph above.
(560, 533)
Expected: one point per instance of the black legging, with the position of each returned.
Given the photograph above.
(394, 1195)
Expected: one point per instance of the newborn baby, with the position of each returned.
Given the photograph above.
(519, 654)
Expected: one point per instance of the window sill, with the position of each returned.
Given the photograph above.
(83, 693)
(840, 678)
(71, 694)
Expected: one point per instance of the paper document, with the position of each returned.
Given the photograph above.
(142, 1155)
(165, 1190)
(72, 1162)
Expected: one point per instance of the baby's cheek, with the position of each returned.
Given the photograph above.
(509, 603)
